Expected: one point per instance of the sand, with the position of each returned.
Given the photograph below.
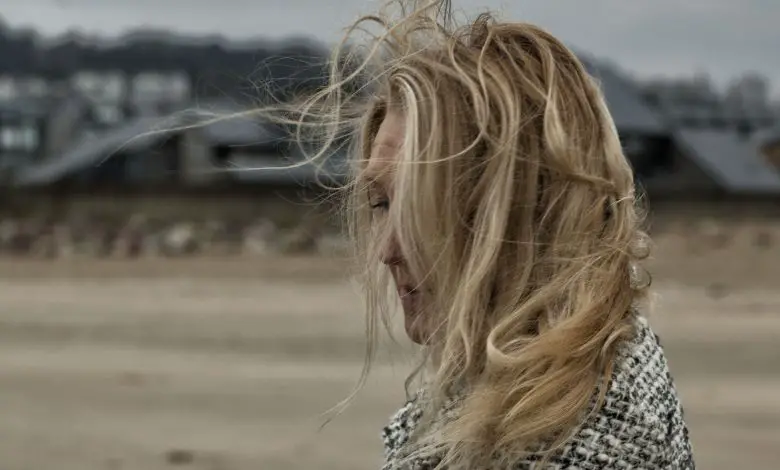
(229, 364)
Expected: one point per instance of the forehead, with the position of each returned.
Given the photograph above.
(386, 147)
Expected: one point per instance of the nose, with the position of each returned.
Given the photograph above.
(390, 253)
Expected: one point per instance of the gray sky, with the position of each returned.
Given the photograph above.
(647, 37)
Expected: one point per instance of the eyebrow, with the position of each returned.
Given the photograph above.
(370, 173)
(374, 178)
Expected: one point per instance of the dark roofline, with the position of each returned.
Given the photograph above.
(624, 98)
(767, 182)
(134, 136)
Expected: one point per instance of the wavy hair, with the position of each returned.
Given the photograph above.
(513, 200)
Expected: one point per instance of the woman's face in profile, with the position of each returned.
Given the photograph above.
(385, 153)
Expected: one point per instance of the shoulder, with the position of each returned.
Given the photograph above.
(641, 421)
(640, 424)
(642, 386)
(401, 426)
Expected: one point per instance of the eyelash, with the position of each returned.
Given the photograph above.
(380, 205)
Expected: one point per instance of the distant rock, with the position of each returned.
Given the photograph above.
(297, 241)
(180, 240)
(258, 237)
(763, 239)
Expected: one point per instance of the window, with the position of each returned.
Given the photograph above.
(7, 87)
(178, 87)
(114, 87)
(100, 86)
(160, 87)
(19, 138)
(30, 139)
(108, 114)
(149, 86)
(37, 86)
(86, 82)
(7, 138)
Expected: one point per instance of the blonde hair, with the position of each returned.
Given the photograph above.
(514, 200)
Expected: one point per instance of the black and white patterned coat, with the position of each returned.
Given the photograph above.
(640, 425)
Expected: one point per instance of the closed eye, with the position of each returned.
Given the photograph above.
(383, 205)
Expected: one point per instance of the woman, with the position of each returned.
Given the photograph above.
(492, 188)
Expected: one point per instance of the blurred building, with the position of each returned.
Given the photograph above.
(717, 151)
(769, 143)
(645, 134)
(169, 154)
(80, 113)
(23, 125)
(694, 103)
(76, 116)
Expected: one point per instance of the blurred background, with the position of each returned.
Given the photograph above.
(159, 310)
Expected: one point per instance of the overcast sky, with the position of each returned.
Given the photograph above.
(647, 37)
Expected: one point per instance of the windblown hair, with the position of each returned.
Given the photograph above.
(514, 202)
